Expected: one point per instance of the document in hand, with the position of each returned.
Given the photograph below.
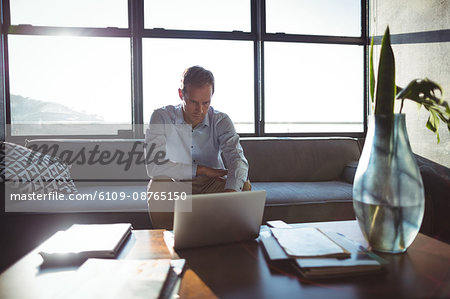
(308, 242)
(82, 241)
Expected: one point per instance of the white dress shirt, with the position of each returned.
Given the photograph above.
(186, 148)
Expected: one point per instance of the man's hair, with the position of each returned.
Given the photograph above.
(198, 77)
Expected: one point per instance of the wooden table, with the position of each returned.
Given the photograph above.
(242, 271)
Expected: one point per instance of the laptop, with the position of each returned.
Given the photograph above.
(219, 218)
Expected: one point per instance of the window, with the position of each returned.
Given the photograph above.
(165, 59)
(313, 88)
(69, 80)
(211, 15)
(318, 17)
(282, 67)
(70, 13)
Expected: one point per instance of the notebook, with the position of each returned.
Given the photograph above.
(219, 218)
(82, 241)
(112, 278)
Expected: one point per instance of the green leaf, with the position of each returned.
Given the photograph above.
(433, 124)
(384, 103)
(424, 93)
(419, 90)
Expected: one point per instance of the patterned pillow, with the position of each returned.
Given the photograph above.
(31, 171)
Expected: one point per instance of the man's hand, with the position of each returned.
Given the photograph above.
(211, 172)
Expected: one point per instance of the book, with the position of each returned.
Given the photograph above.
(111, 278)
(83, 241)
(308, 242)
(361, 261)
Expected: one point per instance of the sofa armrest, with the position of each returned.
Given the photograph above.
(436, 182)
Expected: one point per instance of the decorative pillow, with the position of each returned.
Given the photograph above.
(31, 171)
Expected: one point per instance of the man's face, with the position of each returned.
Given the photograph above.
(196, 101)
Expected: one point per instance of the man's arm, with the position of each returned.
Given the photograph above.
(210, 172)
(234, 155)
(155, 142)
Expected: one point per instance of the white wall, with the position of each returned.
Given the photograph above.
(418, 60)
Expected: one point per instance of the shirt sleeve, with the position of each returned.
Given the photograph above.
(155, 142)
(233, 153)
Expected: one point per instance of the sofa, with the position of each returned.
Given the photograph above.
(306, 179)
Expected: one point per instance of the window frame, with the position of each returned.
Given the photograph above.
(137, 32)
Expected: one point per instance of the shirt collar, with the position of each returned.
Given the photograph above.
(205, 121)
(179, 118)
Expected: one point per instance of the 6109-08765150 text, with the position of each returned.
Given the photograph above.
(102, 195)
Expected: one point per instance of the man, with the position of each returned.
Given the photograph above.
(194, 157)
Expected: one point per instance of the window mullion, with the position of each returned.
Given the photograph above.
(136, 20)
(364, 35)
(258, 26)
(5, 98)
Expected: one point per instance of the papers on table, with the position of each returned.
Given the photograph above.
(308, 242)
(319, 255)
(360, 261)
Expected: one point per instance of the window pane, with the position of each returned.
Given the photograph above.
(70, 13)
(216, 15)
(313, 88)
(69, 80)
(231, 62)
(317, 17)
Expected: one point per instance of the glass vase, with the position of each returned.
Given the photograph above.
(388, 193)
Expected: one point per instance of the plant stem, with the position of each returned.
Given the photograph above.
(401, 106)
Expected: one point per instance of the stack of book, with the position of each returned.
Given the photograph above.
(103, 276)
(319, 255)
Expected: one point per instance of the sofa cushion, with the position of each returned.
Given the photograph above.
(26, 171)
(299, 193)
(299, 159)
